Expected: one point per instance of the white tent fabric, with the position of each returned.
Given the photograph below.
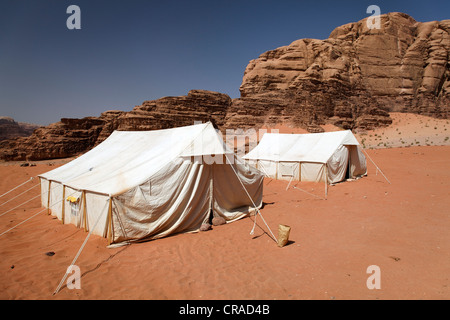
(150, 184)
(309, 157)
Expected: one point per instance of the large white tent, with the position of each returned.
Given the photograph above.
(328, 157)
(139, 185)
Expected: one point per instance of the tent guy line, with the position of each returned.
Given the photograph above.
(378, 169)
(254, 205)
(297, 188)
(34, 215)
(29, 218)
(20, 205)
(76, 256)
(20, 194)
(17, 186)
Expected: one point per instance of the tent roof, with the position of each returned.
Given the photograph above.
(310, 147)
(128, 158)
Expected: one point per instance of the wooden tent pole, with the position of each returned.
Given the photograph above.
(276, 169)
(84, 211)
(48, 197)
(109, 222)
(63, 209)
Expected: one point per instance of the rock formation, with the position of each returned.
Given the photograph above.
(10, 129)
(58, 140)
(71, 137)
(167, 112)
(353, 80)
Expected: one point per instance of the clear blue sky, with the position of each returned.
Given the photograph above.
(131, 51)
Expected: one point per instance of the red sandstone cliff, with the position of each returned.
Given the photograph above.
(353, 78)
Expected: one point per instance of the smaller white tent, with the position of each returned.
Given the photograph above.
(328, 157)
(149, 184)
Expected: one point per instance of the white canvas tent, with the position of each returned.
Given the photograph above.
(328, 157)
(149, 184)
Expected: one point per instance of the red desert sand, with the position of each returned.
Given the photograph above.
(400, 227)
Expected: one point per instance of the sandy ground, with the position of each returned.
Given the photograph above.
(400, 227)
(408, 130)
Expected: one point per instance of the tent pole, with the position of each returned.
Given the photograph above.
(109, 222)
(211, 191)
(84, 211)
(63, 209)
(48, 197)
(276, 170)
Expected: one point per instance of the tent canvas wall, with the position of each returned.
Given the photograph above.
(328, 157)
(149, 184)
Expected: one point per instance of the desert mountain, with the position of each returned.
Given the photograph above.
(10, 129)
(353, 80)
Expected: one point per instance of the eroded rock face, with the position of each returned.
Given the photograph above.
(356, 76)
(71, 137)
(66, 138)
(168, 112)
(9, 128)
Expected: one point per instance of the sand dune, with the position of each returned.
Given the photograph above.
(401, 227)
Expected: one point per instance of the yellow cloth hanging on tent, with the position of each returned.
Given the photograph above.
(72, 199)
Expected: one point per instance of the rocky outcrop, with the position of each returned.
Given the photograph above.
(168, 112)
(10, 129)
(354, 77)
(66, 138)
(71, 137)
